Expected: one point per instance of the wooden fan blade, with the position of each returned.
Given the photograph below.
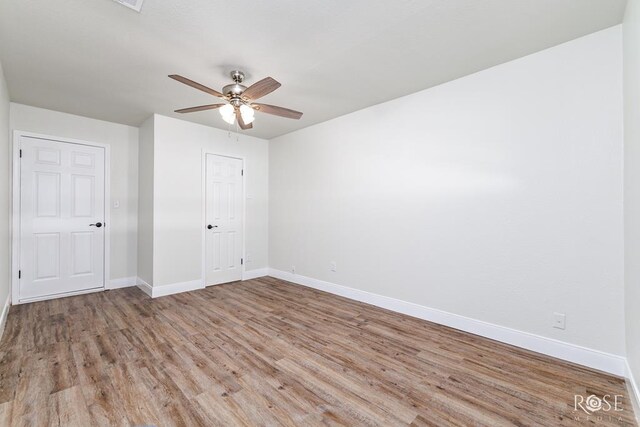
(200, 108)
(241, 122)
(277, 111)
(261, 88)
(196, 85)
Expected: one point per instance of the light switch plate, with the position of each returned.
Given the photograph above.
(559, 320)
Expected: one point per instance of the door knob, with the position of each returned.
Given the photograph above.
(211, 226)
(97, 224)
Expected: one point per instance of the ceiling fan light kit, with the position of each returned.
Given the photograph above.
(228, 113)
(247, 113)
(239, 99)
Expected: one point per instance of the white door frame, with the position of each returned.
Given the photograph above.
(15, 214)
(204, 212)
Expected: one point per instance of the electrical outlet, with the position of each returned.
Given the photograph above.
(559, 320)
(293, 269)
(249, 257)
(116, 204)
(333, 266)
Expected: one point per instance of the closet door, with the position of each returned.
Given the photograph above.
(62, 210)
(223, 210)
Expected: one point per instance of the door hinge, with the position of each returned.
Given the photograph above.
(242, 172)
(241, 261)
(19, 274)
(21, 153)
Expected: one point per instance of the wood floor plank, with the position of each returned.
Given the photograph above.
(6, 410)
(267, 352)
(104, 404)
(138, 403)
(67, 408)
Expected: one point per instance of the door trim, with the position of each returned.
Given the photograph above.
(15, 214)
(204, 212)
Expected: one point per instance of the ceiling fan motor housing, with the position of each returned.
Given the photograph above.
(234, 90)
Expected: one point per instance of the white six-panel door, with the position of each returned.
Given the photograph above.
(224, 216)
(62, 211)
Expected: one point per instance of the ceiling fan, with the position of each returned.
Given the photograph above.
(240, 99)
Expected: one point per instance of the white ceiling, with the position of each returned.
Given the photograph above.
(99, 59)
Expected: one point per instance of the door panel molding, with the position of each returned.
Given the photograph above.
(243, 209)
(47, 157)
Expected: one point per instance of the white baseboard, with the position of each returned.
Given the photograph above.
(176, 288)
(5, 313)
(254, 274)
(634, 392)
(595, 359)
(144, 287)
(123, 282)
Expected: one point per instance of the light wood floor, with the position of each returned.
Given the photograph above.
(266, 352)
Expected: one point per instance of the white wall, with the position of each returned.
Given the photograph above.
(145, 201)
(178, 231)
(124, 172)
(632, 183)
(497, 196)
(5, 167)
